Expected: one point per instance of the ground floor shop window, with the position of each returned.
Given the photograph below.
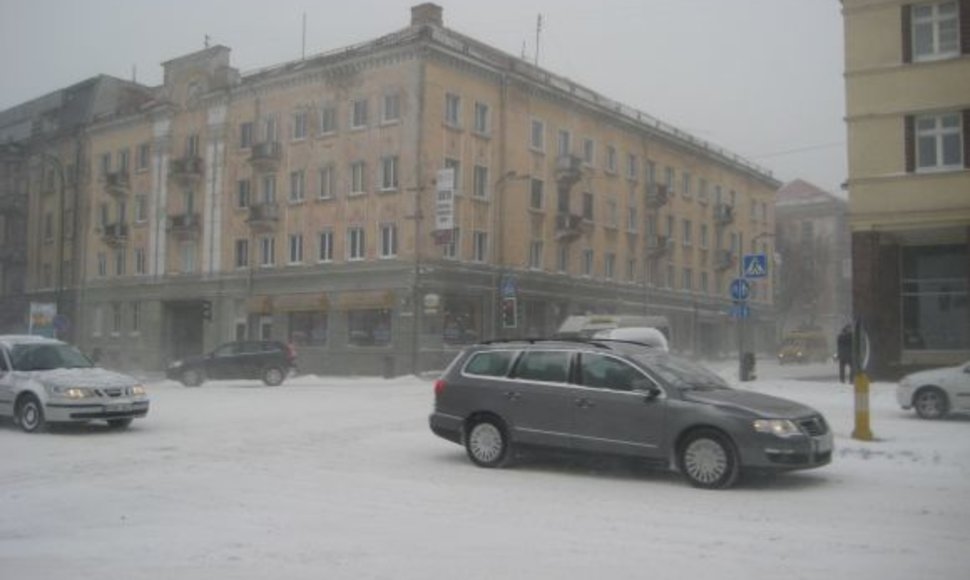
(369, 327)
(462, 322)
(308, 328)
(934, 298)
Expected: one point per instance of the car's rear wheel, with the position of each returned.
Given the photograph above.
(119, 423)
(486, 442)
(930, 403)
(192, 378)
(708, 460)
(273, 376)
(30, 414)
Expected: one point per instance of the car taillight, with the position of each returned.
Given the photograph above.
(439, 387)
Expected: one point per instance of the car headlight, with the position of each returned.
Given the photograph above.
(777, 427)
(137, 391)
(71, 392)
(174, 364)
(799, 355)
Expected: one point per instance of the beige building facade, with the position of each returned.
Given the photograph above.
(908, 115)
(381, 205)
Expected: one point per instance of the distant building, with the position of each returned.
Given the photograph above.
(306, 202)
(907, 71)
(813, 288)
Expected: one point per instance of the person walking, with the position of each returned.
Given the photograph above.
(844, 342)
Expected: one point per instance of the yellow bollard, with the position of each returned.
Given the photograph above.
(862, 430)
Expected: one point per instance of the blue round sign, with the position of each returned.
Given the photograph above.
(740, 289)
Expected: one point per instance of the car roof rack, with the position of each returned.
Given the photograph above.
(600, 342)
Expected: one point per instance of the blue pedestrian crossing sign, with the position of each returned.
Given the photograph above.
(755, 266)
(740, 289)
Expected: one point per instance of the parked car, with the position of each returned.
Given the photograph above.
(804, 346)
(620, 399)
(935, 393)
(267, 360)
(47, 381)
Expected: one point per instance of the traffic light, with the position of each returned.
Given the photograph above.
(206, 310)
(509, 313)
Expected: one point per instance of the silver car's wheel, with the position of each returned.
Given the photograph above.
(273, 376)
(708, 460)
(930, 403)
(30, 414)
(486, 444)
(192, 378)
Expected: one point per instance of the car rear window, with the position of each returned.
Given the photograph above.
(494, 363)
(541, 365)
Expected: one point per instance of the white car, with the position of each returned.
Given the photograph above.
(936, 392)
(47, 381)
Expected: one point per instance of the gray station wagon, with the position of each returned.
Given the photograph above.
(618, 398)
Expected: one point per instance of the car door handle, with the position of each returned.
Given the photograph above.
(512, 395)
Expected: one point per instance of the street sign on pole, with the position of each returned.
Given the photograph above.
(740, 289)
(755, 266)
(740, 311)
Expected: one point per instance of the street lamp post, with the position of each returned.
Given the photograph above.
(741, 317)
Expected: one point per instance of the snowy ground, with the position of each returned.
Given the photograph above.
(341, 478)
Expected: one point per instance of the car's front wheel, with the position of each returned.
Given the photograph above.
(486, 442)
(30, 414)
(273, 376)
(192, 378)
(930, 403)
(708, 460)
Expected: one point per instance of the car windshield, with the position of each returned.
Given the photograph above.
(46, 357)
(681, 373)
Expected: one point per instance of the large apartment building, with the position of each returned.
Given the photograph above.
(383, 204)
(907, 71)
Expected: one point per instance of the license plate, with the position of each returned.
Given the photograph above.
(822, 444)
(119, 408)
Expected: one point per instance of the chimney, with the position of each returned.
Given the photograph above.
(427, 13)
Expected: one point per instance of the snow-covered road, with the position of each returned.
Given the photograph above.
(341, 478)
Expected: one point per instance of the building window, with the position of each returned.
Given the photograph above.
(480, 186)
(391, 111)
(688, 230)
(358, 114)
(242, 253)
(246, 135)
(141, 208)
(670, 276)
(296, 249)
(562, 201)
(563, 143)
(140, 265)
(631, 270)
(537, 138)
(587, 267)
(297, 185)
(482, 119)
(388, 176)
(242, 193)
(267, 251)
(651, 172)
(328, 120)
(480, 246)
(685, 184)
(562, 262)
(536, 194)
(938, 142)
(450, 250)
(669, 178)
(144, 156)
(116, 319)
(269, 188)
(327, 182)
(535, 255)
(269, 130)
(589, 151)
(187, 257)
(191, 146)
(704, 284)
(370, 327)
(299, 125)
(357, 174)
(120, 262)
(326, 246)
(935, 298)
(935, 31)
(135, 317)
(631, 219)
(612, 216)
(702, 190)
(388, 241)
(611, 159)
(308, 328)
(631, 166)
(609, 265)
(123, 160)
(704, 245)
(587, 206)
(49, 226)
(453, 110)
(687, 283)
(355, 243)
(102, 264)
(105, 166)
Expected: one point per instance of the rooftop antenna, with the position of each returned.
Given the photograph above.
(134, 73)
(523, 50)
(303, 50)
(206, 41)
(538, 32)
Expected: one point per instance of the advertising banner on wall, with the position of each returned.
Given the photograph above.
(42, 316)
(444, 209)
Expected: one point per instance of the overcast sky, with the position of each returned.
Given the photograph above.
(762, 78)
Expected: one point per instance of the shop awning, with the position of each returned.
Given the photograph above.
(367, 299)
(301, 302)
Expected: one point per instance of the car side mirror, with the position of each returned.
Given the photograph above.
(648, 389)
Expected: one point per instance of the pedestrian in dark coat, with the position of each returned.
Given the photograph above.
(844, 342)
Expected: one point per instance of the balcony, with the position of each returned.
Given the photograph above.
(659, 245)
(656, 195)
(187, 171)
(723, 214)
(185, 226)
(264, 216)
(115, 235)
(117, 183)
(569, 226)
(265, 157)
(723, 259)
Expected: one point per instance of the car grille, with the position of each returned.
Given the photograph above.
(814, 426)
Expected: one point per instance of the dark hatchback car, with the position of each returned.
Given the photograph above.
(266, 360)
(618, 398)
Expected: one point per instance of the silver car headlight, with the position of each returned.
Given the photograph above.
(136, 391)
(777, 427)
(71, 392)
(174, 364)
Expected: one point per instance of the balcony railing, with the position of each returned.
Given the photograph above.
(265, 156)
(264, 216)
(723, 214)
(187, 170)
(723, 259)
(184, 226)
(115, 234)
(569, 226)
(117, 183)
(656, 195)
(659, 245)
